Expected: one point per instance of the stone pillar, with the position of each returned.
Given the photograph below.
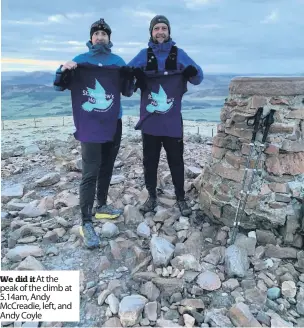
(277, 192)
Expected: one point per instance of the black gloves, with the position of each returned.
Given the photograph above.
(127, 72)
(140, 79)
(190, 71)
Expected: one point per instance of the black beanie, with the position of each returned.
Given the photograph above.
(100, 25)
(159, 19)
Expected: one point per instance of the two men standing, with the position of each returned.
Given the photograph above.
(161, 72)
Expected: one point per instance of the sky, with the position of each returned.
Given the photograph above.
(222, 36)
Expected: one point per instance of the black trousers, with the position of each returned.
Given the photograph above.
(97, 166)
(174, 148)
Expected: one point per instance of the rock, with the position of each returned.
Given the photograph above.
(300, 301)
(263, 318)
(112, 322)
(74, 165)
(103, 296)
(8, 193)
(216, 255)
(187, 262)
(231, 284)
(151, 311)
(277, 321)
(20, 252)
(48, 180)
(217, 319)
(162, 323)
(274, 293)
(150, 291)
(130, 309)
(181, 224)
(192, 171)
(27, 240)
(132, 215)
(236, 261)
(161, 216)
(162, 251)
(256, 296)
(117, 179)
(280, 252)
(188, 320)
(221, 300)
(209, 281)
(53, 250)
(14, 205)
(144, 322)
(265, 237)
(109, 230)
(113, 302)
(168, 286)
(289, 289)
(193, 245)
(66, 199)
(50, 237)
(32, 210)
(241, 316)
(104, 263)
(30, 263)
(247, 243)
(193, 304)
(143, 230)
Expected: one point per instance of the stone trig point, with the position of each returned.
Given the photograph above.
(277, 190)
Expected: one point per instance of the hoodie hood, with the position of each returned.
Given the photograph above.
(161, 47)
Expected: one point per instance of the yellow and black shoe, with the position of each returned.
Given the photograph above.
(107, 212)
(89, 236)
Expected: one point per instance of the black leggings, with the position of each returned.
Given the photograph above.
(174, 148)
(97, 166)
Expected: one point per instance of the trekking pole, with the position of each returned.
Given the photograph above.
(256, 124)
(267, 121)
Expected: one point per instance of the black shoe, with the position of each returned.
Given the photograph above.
(184, 208)
(149, 205)
(89, 235)
(107, 212)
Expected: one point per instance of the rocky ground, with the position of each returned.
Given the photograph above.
(160, 270)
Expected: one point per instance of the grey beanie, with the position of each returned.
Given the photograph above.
(159, 19)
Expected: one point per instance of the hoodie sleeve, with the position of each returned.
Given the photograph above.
(140, 60)
(62, 80)
(184, 60)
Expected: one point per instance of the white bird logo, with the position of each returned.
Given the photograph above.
(160, 102)
(99, 98)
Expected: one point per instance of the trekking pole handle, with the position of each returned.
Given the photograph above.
(256, 122)
(268, 120)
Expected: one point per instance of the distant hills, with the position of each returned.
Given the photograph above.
(31, 94)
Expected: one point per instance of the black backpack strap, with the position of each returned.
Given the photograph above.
(171, 61)
(151, 60)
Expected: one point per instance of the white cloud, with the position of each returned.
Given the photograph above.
(56, 18)
(60, 18)
(78, 15)
(146, 14)
(271, 18)
(197, 3)
(66, 49)
(54, 42)
(23, 22)
(131, 43)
